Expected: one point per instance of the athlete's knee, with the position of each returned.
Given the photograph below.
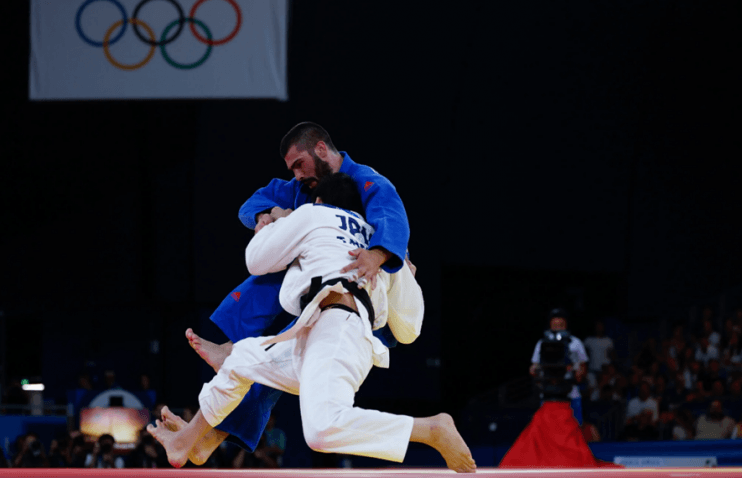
(324, 435)
(322, 438)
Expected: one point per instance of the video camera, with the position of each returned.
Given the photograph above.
(555, 377)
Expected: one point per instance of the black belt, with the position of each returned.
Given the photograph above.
(360, 294)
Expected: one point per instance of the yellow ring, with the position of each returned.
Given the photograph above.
(133, 21)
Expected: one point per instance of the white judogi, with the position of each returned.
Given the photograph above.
(325, 356)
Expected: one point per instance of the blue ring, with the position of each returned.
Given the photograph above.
(95, 43)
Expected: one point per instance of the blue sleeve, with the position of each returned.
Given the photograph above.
(386, 213)
(278, 192)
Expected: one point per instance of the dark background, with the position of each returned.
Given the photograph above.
(548, 153)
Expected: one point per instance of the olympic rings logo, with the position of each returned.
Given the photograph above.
(164, 38)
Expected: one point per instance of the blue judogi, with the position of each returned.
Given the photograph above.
(253, 306)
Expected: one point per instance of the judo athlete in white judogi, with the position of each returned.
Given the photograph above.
(327, 354)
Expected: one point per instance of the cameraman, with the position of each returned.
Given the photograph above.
(103, 455)
(576, 355)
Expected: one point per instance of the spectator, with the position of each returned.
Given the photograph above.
(148, 453)
(103, 455)
(77, 450)
(735, 393)
(59, 452)
(678, 344)
(732, 355)
(245, 459)
(647, 355)
(698, 394)
(684, 428)
(83, 381)
(606, 385)
(714, 425)
(692, 374)
(635, 380)
(661, 394)
(644, 401)
(706, 351)
(271, 453)
(609, 393)
(651, 375)
(713, 337)
(737, 431)
(642, 428)
(712, 374)
(727, 334)
(109, 380)
(31, 453)
(145, 383)
(676, 394)
(600, 350)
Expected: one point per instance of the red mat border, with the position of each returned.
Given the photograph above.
(373, 473)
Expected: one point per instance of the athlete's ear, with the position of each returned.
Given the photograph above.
(320, 149)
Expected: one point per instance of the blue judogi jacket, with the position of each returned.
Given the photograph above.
(383, 206)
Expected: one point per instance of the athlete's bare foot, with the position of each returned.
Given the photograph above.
(441, 433)
(212, 353)
(177, 454)
(200, 453)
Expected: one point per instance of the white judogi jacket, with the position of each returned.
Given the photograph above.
(315, 240)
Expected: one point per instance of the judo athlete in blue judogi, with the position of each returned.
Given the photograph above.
(253, 306)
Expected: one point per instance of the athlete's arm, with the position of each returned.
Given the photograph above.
(278, 193)
(386, 213)
(265, 218)
(276, 245)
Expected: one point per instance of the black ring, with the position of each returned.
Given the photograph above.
(181, 22)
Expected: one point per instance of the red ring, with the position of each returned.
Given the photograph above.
(223, 40)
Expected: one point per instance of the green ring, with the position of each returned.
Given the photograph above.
(179, 65)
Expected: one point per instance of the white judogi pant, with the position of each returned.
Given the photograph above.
(325, 365)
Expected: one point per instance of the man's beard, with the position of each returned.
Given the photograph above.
(321, 169)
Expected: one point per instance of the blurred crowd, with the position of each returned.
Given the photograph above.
(75, 450)
(686, 386)
(682, 387)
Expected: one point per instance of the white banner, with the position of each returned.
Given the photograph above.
(142, 49)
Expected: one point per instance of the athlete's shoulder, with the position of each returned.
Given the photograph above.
(360, 171)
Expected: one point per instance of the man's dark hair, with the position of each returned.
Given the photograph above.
(559, 312)
(305, 136)
(339, 190)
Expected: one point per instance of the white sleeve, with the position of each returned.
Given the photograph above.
(580, 356)
(536, 358)
(277, 244)
(406, 307)
(632, 409)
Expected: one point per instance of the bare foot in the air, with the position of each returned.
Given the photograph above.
(200, 453)
(445, 438)
(212, 353)
(177, 454)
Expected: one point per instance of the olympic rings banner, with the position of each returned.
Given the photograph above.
(151, 49)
